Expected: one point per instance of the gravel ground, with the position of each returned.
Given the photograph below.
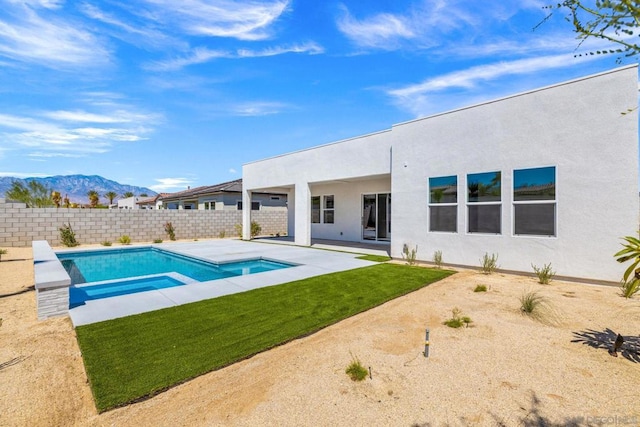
(506, 369)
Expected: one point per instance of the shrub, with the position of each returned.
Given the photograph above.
(409, 255)
(545, 274)
(256, 229)
(67, 236)
(168, 228)
(356, 371)
(437, 258)
(629, 288)
(2, 252)
(125, 240)
(221, 234)
(457, 319)
(489, 264)
(480, 288)
(157, 240)
(106, 243)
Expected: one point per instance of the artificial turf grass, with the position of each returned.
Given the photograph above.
(375, 258)
(135, 357)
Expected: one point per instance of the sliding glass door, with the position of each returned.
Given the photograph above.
(376, 216)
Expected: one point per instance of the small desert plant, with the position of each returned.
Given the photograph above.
(457, 319)
(437, 258)
(67, 236)
(480, 288)
(2, 252)
(157, 240)
(125, 239)
(531, 303)
(489, 264)
(168, 228)
(106, 243)
(629, 288)
(256, 229)
(222, 234)
(545, 274)
(409, 255)
(355, 370)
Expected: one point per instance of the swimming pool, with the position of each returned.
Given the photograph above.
(133, 270)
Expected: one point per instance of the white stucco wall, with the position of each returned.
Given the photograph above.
(304, 173)
(576, 126)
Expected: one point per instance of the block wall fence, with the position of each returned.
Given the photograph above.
(19, 225)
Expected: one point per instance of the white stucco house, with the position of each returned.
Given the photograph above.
(546, 176)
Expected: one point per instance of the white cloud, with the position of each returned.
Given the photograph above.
(23, 174)
(232, 171)
(383, 31)
(428, 23)
(247, 20)
(256, 108)
(49, 40)
(175, 184)
(202, 55)
(74, 133)
(416, 97)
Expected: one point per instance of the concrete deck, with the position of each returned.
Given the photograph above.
(310, 262)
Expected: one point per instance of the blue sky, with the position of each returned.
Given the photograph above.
(174, 93)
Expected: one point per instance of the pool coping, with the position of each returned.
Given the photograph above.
(307, 262)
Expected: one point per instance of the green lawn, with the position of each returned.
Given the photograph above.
(138, 356)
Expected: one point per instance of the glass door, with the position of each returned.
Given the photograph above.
(369, 217)
(376, 216)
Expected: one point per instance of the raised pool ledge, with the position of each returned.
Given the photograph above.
(51, 282)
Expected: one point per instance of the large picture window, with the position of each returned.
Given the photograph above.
(443, 204)
(534, 201)
(484, 203)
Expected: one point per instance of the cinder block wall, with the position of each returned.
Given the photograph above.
(20, 225)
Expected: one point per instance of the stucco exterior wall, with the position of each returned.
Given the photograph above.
(20, 225)
(348, 207)
(578, 127)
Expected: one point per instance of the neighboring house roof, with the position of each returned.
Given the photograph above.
(151, 200)
(226, 187)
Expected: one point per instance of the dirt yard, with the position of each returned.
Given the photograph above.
(506, 369)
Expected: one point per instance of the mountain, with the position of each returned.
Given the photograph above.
(76, 187)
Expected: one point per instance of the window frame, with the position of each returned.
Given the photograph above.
(536, 202)
(434, 205)
(483, 203)
(326, 209)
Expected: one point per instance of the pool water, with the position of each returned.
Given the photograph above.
(98, 266)
(79, 294)
(129, 264)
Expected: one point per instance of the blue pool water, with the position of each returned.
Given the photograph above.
(98, 266)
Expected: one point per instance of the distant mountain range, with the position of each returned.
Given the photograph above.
(76, 187)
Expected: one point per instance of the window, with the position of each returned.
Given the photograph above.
(534, 201)
(328, 210)
(443, 204)
(210, 205)
(324, 215)
(315, 210)
(484, 202)
(255, 206)
(275, 197)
